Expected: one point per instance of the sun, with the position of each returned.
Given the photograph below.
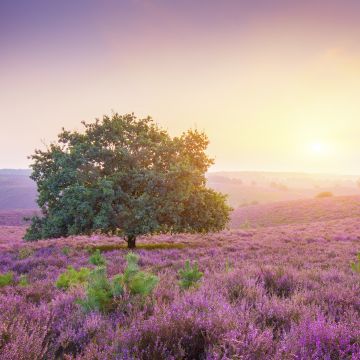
(318, 148)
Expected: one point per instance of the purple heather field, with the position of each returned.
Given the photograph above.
(281, 290)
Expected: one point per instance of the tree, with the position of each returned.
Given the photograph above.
(125, 176)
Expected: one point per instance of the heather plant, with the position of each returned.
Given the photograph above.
(72, 277)
(6, 279)
(278, 282)
(189, 275)
(284, 299)
(97, 259)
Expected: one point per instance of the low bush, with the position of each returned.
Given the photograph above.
(66, 250)
(324, 194)
(101, 291)
(6, 279)
(189, 275)
(135, 281)
(72, 277)
(25, 252)
(23, 281)
(355, 266)
(97, 259)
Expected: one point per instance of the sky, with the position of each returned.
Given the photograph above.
(274, 84)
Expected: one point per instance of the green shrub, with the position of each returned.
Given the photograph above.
(25, 252)
(66, 250)
(97, 259)
(100, 292)
(189, 275)
(324, 194)
(355, 266)
(6, 279)
(23, 281)
(142, 283)
(137, 282)
(72, 277)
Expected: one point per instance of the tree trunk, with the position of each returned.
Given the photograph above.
(131, 242)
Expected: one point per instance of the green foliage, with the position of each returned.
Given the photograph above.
(136, 281)
(142, 283)
(100, 292)
(97, 259)
(189, 275)
(72, 277)
(66, 250)
(23, 281)
(125, 176)
(6, 279)
(355, 266)
(116, 286)
(25, 252)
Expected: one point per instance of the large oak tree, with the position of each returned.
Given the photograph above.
(125, 176)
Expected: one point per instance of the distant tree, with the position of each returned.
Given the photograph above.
(125, 176)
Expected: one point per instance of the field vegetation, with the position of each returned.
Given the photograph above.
(289, 291)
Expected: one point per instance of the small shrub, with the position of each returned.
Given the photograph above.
(355, 266)
(142, 283)
(25, 252)
(189, 275)
(23, 281)
(99, 293)
(137, 282)
(72, 277)
(97, 259)
(6, 279)
(324, 194)
(66, 250)
(246, 225)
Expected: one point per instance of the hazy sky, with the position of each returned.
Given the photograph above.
(274, 83)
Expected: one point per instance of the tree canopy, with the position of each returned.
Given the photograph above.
(125, 176)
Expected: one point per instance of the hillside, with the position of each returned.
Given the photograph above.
(296, 212)
(248, 187)
(17, 190)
